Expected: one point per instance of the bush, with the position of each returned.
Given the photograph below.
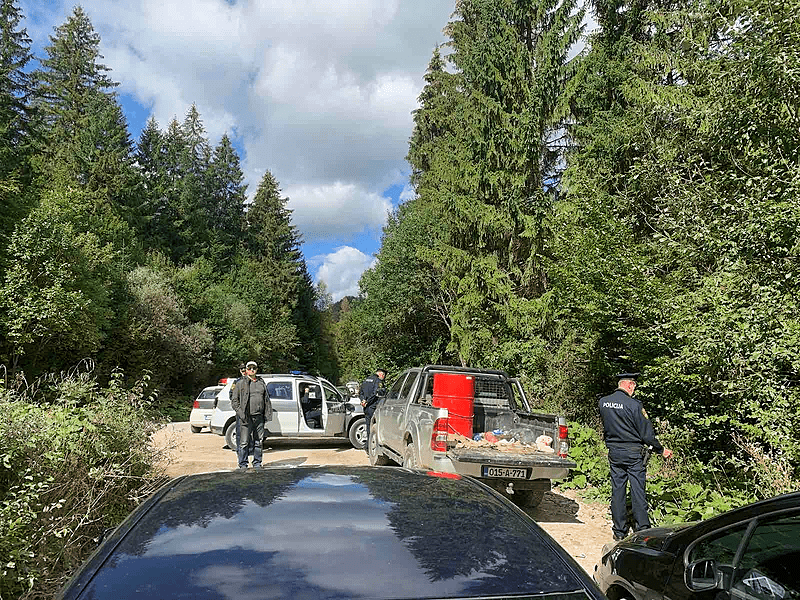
(74, 461)
(685, 488)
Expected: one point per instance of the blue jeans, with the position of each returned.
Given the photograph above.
(251, 434)
(628, 466)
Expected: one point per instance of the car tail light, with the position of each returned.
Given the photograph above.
(443, 475)
(563, 438)
(439, 436)
(196, 404)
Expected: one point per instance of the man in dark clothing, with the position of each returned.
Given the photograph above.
(371, 391)
(239, 382)
(251, 402)
(629, 436)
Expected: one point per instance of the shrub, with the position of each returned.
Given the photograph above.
(686, 487)
(74, 460)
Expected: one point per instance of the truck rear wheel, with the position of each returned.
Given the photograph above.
(410, 456)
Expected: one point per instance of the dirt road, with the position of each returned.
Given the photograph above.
(581, 528)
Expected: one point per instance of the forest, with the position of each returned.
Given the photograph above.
(631, 206)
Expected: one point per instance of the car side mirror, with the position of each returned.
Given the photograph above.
(703, 575)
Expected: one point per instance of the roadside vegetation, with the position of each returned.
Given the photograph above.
(75, 459)
(632, 207)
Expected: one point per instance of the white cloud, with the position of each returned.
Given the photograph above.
(341, 271)
(336, 211)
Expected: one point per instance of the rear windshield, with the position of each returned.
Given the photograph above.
(208, 394)
(307, 534)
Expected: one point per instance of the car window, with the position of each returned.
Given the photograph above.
(394, 391)
(208, 394)
(280, 390)
(409, 383)
(332, 394)
(720, 546)
(768, 568)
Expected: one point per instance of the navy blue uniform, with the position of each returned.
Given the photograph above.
(370, 392)
(627, 433)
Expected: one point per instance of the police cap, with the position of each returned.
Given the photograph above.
(632, 376)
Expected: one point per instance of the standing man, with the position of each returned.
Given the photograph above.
(629, 436)
(239, 382)
(251, 402)
(370, 392)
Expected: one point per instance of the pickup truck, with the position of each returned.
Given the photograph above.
(409, 428)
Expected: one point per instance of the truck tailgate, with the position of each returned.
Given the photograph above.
(502, 458)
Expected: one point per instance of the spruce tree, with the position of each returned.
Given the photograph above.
(227, 193)
(16, 92)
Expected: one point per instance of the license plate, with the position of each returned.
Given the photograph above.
(505, 472)
(207, 417)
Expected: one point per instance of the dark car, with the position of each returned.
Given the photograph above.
(751, 553)
(329, 532)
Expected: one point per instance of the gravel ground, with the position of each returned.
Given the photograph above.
(581, 528)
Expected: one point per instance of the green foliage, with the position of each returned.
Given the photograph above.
(55, 293)
(589, 453)
(75, 458)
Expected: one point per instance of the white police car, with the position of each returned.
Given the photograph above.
(326, 413)
(203, 407)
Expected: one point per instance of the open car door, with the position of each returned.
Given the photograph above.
(333, 410)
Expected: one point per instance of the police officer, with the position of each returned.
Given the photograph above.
(370, 392)
(629, 436)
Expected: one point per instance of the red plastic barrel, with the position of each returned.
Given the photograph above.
(456, 393)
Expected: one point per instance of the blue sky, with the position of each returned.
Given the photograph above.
(320, 93)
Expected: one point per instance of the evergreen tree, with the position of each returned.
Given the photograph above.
(194, 202)
(273, 240)
(484, 161)
(86, 139)
(15, 120)
(227, 191)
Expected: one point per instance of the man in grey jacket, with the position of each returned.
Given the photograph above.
(250, 400)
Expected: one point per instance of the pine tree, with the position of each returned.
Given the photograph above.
(195, 205)
(488, 167)
(16, 91)
(227, 191)
(86, 141)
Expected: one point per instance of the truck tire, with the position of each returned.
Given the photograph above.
(195, 429)
(410, 456)
(376, 457)
(358, 434)
(230, 437)
(527, 498)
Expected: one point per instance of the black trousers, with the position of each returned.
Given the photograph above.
(628, 466)
(368, 412)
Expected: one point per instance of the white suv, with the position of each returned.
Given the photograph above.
(203, 407)
(334, 416)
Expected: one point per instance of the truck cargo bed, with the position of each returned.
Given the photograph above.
(516, 458)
